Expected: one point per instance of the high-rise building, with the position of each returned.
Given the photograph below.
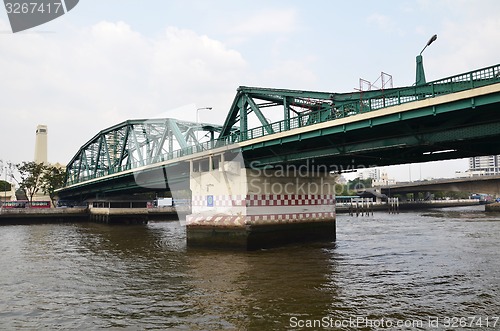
(487, 165)
(41, 144)
(372, 173)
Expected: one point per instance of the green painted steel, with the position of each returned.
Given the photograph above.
(420, 74)
(136, 143)
(312, 107)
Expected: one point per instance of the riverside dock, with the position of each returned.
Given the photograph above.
(133, 212)
(110, 212)
(404, 205)
(34, 216)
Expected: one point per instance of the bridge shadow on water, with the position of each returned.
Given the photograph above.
(262, 290)
(168, 285)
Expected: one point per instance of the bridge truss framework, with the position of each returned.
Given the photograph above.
(136, 143)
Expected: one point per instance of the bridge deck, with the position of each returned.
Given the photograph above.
(374, 127)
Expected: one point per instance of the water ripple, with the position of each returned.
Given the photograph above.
(89, 276)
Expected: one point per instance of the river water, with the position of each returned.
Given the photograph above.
(436, 269)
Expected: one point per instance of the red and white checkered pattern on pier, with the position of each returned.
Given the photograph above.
(230, 220)
(220, 200)
(290, 199)
(290, 217)
(251, 200)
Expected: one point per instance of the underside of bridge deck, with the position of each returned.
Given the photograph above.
(461, 129)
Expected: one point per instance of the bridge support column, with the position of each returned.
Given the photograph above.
(243, 208)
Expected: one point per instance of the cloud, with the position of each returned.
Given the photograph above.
(290, 71)
(193, 61)
(380, 21)
(268, 21)
(466, 46)
(81, 82)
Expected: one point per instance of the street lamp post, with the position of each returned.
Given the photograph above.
(8, 172)
(1, 169)
(420, 75)
(5, 187)
(197, 118)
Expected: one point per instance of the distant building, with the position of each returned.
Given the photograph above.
(379, 178)
(469, 173)
(372, 173)
(383, 180)
(8, 195)
(41, 144)
(41, 155)
(341, 180)
(484, 165)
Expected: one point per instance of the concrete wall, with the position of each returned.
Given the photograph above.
(236, 206)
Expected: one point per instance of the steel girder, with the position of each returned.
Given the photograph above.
(463, 128)
(136, 143)
(295, 108)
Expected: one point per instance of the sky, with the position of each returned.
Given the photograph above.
(107, 61)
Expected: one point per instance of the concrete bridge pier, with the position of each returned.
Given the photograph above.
(234, 207)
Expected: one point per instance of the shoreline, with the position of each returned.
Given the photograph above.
(83, 214)
(69, 215)
(412, 205)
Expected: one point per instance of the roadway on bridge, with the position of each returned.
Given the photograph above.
(388, 127)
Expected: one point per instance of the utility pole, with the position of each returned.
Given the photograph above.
(420, 75)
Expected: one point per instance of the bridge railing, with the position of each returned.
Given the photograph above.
(473, 79)
(135, 164)
(394, 97)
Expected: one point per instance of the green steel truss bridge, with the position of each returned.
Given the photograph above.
(449, 118)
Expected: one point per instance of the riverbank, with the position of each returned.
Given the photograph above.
(125, 215)
(69, 215)
(413, 205)
(34, 216)
(493, 207)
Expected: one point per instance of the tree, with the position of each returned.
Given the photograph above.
(52, 179)
(5, 170)
(31, 177)
(5, 186)
(359, 185)
(21, 195)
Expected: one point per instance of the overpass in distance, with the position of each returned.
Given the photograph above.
(477, 184)
(450, 118)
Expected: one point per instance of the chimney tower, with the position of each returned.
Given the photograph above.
(41, 144)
